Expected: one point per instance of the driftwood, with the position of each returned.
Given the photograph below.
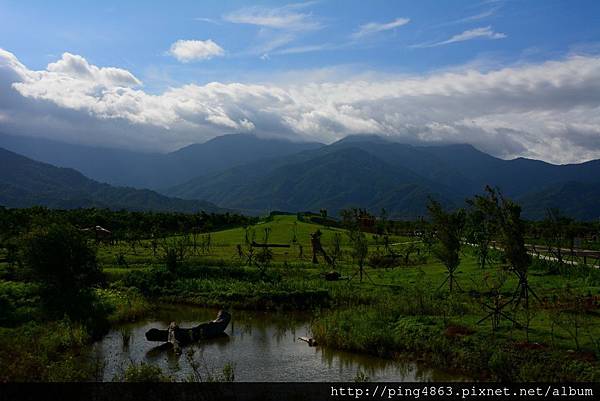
(172, 337)
(257, 245)
(332, 276)
(100, 233)
(176, 335)
(311, 341)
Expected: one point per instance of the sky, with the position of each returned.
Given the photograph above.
(513, 78)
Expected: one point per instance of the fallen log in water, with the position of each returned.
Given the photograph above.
(177, 335)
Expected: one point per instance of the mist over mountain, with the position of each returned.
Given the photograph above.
(25, 182)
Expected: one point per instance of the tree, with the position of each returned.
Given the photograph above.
(482, 223)
(351, 219)
(382, 226)
(265, 256)
(360, 249)
(60, 257)
(448, 228)
(556, 230)
(494, 284)
(175, 251)
(513, 244)
(249, 240)
(335, 251)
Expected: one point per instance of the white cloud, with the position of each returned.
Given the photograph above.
(193, 50)
(77, 67)
(374, 27)
(209, 20)
(475, 17)
(307, 49)
(279, 26)
(477, 33)
(484, 32)
(286, 17)
(549, 110)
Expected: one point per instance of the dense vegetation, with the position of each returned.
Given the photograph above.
(459, 289)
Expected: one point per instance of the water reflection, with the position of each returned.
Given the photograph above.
(261, 346)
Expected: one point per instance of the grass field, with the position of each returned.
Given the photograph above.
(395, 312)
(223, 243)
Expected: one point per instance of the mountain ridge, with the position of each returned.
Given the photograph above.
(153, 170)
(359, 171)
(25, 182)
(451, 173)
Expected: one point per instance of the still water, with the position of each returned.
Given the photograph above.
(261, 347)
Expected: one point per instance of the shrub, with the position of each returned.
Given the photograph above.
(143, 373)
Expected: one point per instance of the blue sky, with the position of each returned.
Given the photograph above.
(136, 35)
(167, 54)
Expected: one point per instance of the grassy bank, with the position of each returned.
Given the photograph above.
(453, 345)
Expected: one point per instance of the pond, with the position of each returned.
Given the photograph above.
(260, 346)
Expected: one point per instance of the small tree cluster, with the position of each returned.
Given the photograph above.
(65, 264)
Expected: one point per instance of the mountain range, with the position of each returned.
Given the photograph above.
(25, 182)
(375, 173)
(254, 175)
(153, 170)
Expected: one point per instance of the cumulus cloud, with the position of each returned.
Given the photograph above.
(194, 50)
(375, 27)
(549, 110)
(477, 33)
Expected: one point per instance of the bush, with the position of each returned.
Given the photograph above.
(19, 302)
(143, 373)
(150, 283)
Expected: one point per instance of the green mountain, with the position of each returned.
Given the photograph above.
(371, 172)
(25, 182)
(254, 175)
(334, 180)
(575, 199)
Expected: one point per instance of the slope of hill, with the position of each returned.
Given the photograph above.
(574, 199)
(25, 182)
(153, 170)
